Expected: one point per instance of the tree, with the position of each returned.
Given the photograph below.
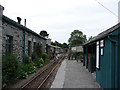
(77, 37)
(44, 33)
(65, 45)
(55, 43)
(52, 43)
(90, 38)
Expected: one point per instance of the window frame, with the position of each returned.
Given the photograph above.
(9, 44)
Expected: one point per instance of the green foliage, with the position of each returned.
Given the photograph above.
(34, 56)
(64, 45)
(13, 71)
(56, 43)
(42, 61)
(37, 53)
(22, 73)
(29, 68)
(44, 33)
(45, 57)
(39, 63)
(25, 69)
(90, 38)
(28, 59)
(9, 68)
(77, 37)
(52, 43)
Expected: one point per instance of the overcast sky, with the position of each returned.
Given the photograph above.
(60, 17)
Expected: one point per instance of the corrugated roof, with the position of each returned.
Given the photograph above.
(103, 34)
(4, 18)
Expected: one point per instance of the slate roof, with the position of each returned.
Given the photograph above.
(8, 20)
(103, 34)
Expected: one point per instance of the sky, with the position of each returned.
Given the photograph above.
(61, 17)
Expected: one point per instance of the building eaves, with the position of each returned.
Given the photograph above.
(103, 34)
(10, 21)
(54, 46)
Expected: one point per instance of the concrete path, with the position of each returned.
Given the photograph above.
(73, 74)
(60, 76)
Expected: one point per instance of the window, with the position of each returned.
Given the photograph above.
(29, 48)
(9, 42)
(34, 46)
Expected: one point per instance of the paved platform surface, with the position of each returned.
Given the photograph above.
(73, 74)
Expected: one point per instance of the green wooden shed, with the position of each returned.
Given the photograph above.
(102, 55)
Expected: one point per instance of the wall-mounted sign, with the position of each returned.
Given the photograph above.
(102, 51)
(97, 55)
(101, 43)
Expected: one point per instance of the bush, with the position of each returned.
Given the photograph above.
(12, 71)
(34, 56)
(28, 59)
(22, 74)
(45, 57)
(39, 63)
(9, 68)
(25, 69)
(37, 53)
(31, 69)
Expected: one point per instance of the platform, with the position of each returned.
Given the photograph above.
(73, 74)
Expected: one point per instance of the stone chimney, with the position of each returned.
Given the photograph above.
(119, 12)
(25, 22)
(19, 20)
(1, 13)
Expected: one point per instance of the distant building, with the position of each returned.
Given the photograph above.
(77, 48)
(53, 50)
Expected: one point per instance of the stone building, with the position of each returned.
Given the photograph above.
(18, 39)
(1, 11)
(77, 48)
(53, 50)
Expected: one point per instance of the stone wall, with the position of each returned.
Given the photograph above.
(30, 37)
(17, 34)
(1, 12)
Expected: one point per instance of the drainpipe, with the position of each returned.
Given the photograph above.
(24, 47)
(116, 61)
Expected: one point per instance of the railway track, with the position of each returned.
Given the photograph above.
(40, 79)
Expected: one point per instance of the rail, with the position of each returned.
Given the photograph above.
(39, 80)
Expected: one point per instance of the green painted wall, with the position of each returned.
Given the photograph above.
(101, 74)
(106, 75)
(86, 53)
(119, 61)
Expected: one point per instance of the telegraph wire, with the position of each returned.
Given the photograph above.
(106, 8)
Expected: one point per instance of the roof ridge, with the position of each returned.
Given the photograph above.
(20, 25)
